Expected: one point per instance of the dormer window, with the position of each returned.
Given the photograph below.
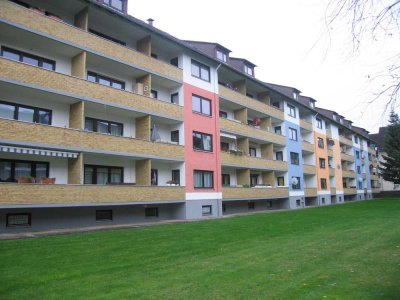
(222, 56)
(312, 104)
(116, 4)
(294, 95)
(249, 70)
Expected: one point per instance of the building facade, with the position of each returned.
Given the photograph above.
(106, 119)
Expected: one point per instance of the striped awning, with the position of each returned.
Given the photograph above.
(227, 135)
(44, 152)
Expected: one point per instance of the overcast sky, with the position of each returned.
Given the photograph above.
(286, 40)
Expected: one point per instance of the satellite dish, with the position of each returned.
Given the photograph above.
(359, 179)
(331, 142)
(294, 181)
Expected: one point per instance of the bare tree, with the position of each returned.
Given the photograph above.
(375, 21)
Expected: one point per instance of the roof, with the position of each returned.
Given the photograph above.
(286, 90)
(194, 43)
(243, 60)
(379, 138)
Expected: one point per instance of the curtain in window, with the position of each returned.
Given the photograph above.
(7, 111)
(207, 142)
(116, 129)
(88, 175)
(102, 175)
(22, 170)
(208, 180)
(116, 175)
(41, 171)
(198, 179)
(102, 127)
(5, 171)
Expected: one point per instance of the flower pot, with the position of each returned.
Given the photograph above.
(26, 180)
(47, 180)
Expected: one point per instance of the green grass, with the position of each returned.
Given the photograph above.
(349, 251)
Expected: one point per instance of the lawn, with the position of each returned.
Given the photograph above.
(349, 251)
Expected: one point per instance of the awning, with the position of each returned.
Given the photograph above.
(44, 152)
(227, 135)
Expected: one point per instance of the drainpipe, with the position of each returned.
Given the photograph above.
(316, 162)
(217, 146)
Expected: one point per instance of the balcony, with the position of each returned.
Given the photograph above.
(80, 88)
(46, 26)
(350, 191)
(328, 133)
(374, 177)
(376, 190)
(249, 131)
(309, 169)
(42, 194)
(333, 191)
(254, 193)
(65, 138)
(250, 162)
(371, 151)
(306, 146)
(248, 102)
(346, 157)
(330, 152)
(306, 125)
(346, 141)
(331, 172)
(310, 192)
(348, 174)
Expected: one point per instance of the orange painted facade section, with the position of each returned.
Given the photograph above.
(321, 153)
(337, 162)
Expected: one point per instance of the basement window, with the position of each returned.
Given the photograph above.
(104, 215)
(206, 210)
(151, 212)
(18, 220)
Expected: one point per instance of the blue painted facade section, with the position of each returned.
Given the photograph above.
(358, 165)
(367, 169)
(294, 146)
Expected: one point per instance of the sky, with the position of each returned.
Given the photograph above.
(290, 44)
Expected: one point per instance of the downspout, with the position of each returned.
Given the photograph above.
(217, 147)
(316, 162)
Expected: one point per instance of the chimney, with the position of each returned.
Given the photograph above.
(150, 21)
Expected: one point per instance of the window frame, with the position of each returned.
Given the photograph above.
(202, 99)
(248, 70)
(224, 55)
(323, 183)
(209, 207)
(200, 66)
(279, 179)
(35, 114)
(98, 219)
(23, 54)
(151, 212)
(298, 185)
(202, 135)
(172, 98)
(223, 114)
(320, 143)
(226, 176)
(154, 171)
(107, 37)
(154, 94)
(29, 224)
(295, 158)
(110, 123)
(252, 151)
(291, 131)
(279, 154)
(292, 111)
(251, 205)
(254, 177)
(175, 133)
(94, 175)
(98, 76)
(33, 168)
(223, 148)
(108, 3)
(203, 172)
(319, 123)
(322, 163)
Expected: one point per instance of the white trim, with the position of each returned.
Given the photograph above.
(323, 193)
(296, 194)
(203, 196)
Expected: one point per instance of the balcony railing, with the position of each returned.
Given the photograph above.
(346, 157)
(65, 138)
(306, 146)
(251, 103)
(41, 194)
(306, 125)
(15, 14)
(345, 140)
(250, 162)
(309, 169)
(310, 192)
(80, 88)
(350, 191)
(348, 174)
(333, 191)
(252, 132)
(254, 193)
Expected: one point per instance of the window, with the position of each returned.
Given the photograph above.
(226, 179)
(322, 163)
(249, 70)
(154, 94)
(320, 142)
(292, 134)
(298, 204)
(175, 136)
(222, 56)
(175, 62)
(28, 58)
(269, 204)
(281, 181)
(224, 146)
(102, 126)
(223, 114)
(279, 155)
(360, 185)
(358, 170)
(18, 220)
(203, 179)
(25, 113)
(151, 212)
(224, 207)
(356, 139)
(276, 104)
(154, 176)
(201, 105)
(103, 174)
(116, 4)
(176, 176)
(252, 151)
(357, 154)
(278, 130)
(206, 210)
(319, 123)
(249, 95)
(296, 183)
(294, 158)
(253, 179)
(251, 205)
(153, 55)
(200, 71)
(323, 200)
(175, 98)
(323, 184)
(202, 141)
(94, 77)
(11, 170)
(104, 36)
(292, 111)
(104, 215)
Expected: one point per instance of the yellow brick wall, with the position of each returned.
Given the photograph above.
(252, 162)
(143, 174)
(81, 19)
(78, 65)
(77, 115)
(243, 176)
(75, 170)
(144, 45)
(143, 128)
(241, 115)
(249, 193)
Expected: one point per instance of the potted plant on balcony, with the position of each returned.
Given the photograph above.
(45, 180)
(26, 180)
(172, 183)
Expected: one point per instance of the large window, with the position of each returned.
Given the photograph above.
(18, 220)
(319, 123)
(94, 77)
(202, 141)
(323, 184)
(201, 105)
(280, 180)
(28, 58)
(200, 71)
(296, 183)
(104, 126)
(11, 170)
(175, 136)
(292, 110)
(322, 163)
(103, 174)
(226, 179)
(25, 113)
(294, 158)
(252, 151)
(203, 179)
(292, 134)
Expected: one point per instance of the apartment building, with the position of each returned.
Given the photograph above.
(106, 119)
